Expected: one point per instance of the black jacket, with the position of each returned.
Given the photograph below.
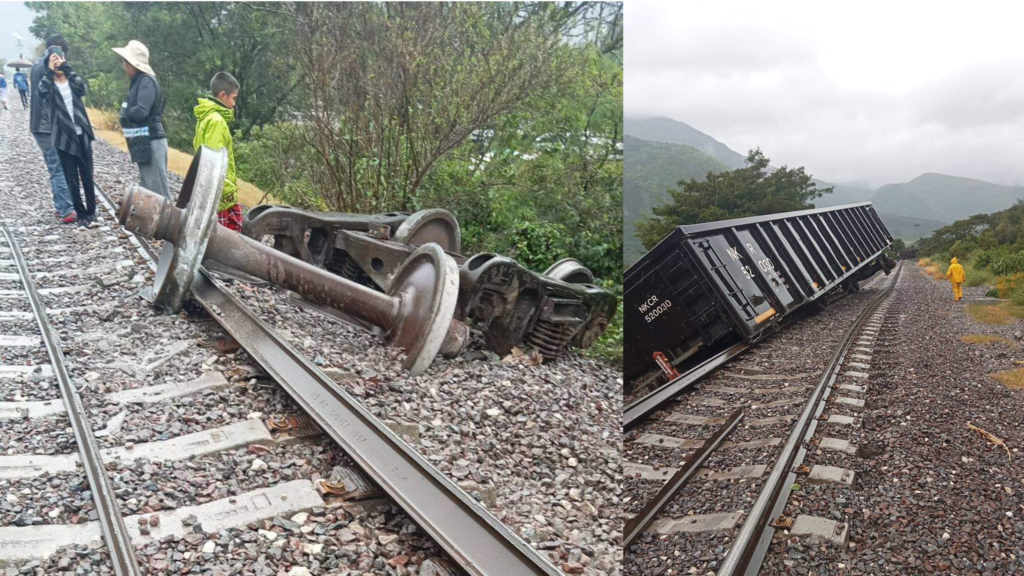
(62, 124)
(39, 113)
(144, 106)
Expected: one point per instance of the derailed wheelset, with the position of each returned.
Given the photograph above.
(416, 313)
(510, 304)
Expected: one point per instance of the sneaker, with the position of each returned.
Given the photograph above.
(93, 223)
(69, 219)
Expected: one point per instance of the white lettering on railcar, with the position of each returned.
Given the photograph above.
(658, 311)
(733, 253)
(650, 302)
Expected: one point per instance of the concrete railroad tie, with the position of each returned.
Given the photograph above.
(145, 395)
(21, 544)
(230, 437)
(823, 529)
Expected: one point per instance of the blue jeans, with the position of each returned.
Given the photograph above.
(58, 185)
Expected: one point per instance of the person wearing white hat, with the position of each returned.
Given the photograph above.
(142, 119)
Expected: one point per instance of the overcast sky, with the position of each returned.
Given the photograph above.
(875, 92)
(15, 18)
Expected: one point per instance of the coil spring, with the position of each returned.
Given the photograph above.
(351, 270)
(552, 340)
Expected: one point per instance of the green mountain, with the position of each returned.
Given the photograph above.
(842, 195)
(909, 229)
(944, 198)
(658, 152)
(662, 129)
(649, 170)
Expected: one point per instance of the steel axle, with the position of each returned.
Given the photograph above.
(416, 314)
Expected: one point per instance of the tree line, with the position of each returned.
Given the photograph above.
(507, 114)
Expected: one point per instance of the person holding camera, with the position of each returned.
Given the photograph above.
(71, 132)
(142, 118)
(39, 125)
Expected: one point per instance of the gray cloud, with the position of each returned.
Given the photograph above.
(753, 85)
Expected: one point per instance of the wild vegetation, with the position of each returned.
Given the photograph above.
(750, 191)
(991, 248)
(650, 170)
(507, 114)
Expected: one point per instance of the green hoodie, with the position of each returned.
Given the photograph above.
(212, 130)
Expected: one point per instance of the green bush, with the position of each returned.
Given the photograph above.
(1017, 296)
(978, 276)
(992, 293)
(609, 346)
(1008, 264)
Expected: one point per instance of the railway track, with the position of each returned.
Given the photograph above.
(478, 541)
(209, 458)
(140, 480)
(719, 518)
(115, 534)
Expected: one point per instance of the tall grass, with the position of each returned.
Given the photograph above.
(976, 275)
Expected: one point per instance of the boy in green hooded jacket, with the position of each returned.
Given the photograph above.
(212, 118)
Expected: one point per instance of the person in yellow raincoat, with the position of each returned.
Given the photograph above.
(956, 277)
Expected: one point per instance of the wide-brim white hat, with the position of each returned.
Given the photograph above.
(137, 55)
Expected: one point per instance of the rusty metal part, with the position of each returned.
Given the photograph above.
(571, 271)
(436, 225)
(352, 485)
(367, 249)
(636, 525)
(783, 522)
(509, 303)
(460, 525)
(416, 314)
(293, 428)
(177, 266)
(309, 236)
(667, 368)
(438, 567)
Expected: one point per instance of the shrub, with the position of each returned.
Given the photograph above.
(1007, 285)
(977, 276)
(1008, 264)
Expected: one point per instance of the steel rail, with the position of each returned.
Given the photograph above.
(115, 533)
(474, 538)
(636, 412)
(639, 410)
(751, 544)
(639, 523)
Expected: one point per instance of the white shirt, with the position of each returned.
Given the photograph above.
(65, 92)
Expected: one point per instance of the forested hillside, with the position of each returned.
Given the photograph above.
(509, 115)
(661, 129)
(945, 198)
(650, 169)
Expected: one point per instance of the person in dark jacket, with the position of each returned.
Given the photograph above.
(21, 84)
(39, 125)
(142, 118)
(62, 90)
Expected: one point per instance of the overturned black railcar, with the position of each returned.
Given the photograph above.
(707, 286)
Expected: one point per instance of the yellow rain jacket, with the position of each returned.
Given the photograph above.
(955, 273)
